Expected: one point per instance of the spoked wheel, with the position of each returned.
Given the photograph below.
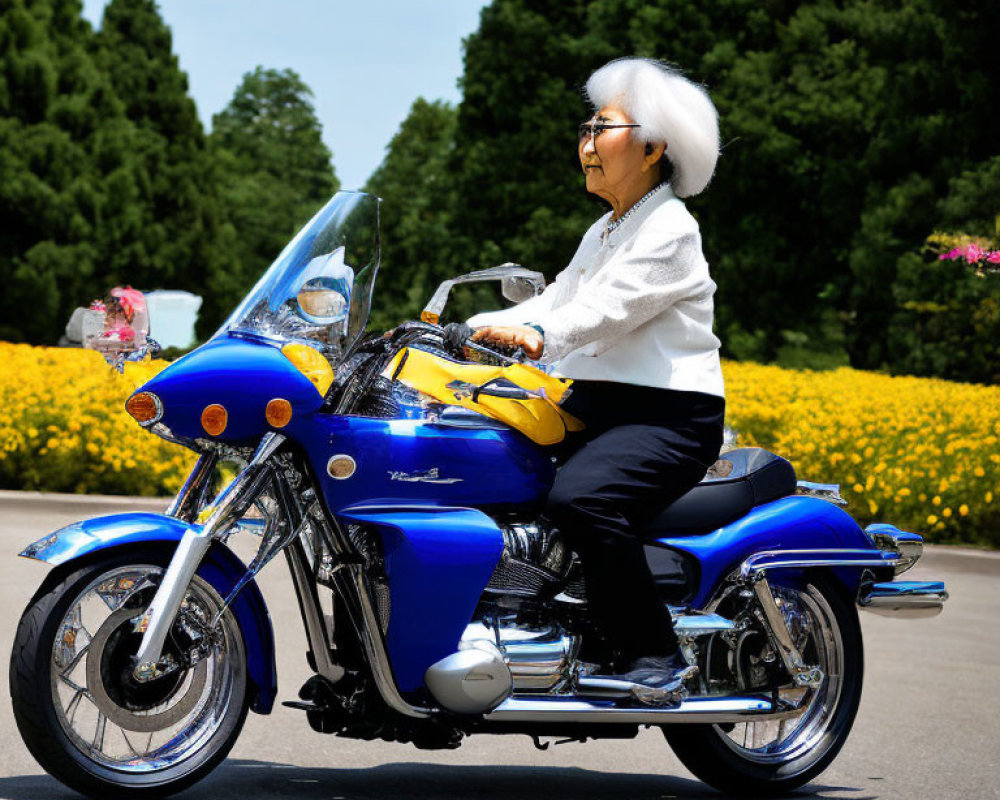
(84, 716)
(774, 756)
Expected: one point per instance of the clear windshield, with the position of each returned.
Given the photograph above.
(319, 289)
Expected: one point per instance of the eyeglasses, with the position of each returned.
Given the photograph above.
(591, 130)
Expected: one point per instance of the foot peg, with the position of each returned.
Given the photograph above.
(664, 695)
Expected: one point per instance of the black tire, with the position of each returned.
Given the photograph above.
(45, 724)
(711, 755)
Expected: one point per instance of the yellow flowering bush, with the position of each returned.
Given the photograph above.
(921, 453)
(918, 452)
(63, 426)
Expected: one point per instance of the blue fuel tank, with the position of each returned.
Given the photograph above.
(368, 461)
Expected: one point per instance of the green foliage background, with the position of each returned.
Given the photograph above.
(852, 131)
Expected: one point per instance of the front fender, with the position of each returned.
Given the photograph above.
(221, 568)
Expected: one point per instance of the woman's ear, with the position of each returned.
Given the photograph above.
(652, 155)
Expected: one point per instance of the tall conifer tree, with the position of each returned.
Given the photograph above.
(172, 228)
(54, 107)
(275, 172)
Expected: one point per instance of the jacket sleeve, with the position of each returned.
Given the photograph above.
(633, 287)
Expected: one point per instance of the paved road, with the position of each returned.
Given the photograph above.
(929, 725)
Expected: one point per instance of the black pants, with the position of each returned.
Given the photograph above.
(643, 448)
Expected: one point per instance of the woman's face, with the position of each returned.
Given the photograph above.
(613, 160)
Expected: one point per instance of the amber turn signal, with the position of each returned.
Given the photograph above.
(214, 419)
(278, 412)
(144, 407)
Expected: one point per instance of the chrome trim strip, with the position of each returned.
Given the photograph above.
(699, 710)
(231, 503)
(913, 599)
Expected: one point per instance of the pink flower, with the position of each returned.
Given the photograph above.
(993, 257)
(951, 255)
(973, 252)
(125, 333)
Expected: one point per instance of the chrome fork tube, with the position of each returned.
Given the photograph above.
(231, 503)
(185, 505)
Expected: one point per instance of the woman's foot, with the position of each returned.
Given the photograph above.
(659, 680)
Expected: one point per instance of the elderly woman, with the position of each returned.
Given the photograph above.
(630, 321)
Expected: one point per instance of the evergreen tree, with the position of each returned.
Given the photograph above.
(842, 124)
(520, 193)
(167, 229)
(275, 173)
(418, 198)
(55, 109)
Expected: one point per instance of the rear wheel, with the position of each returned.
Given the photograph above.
(83, 715)
(773, 757)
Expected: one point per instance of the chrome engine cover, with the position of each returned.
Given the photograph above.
(540, 659)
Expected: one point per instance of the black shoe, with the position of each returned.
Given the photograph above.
(659, 680)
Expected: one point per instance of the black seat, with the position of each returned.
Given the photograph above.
(740, 480)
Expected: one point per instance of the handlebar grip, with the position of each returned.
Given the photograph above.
(456, 334)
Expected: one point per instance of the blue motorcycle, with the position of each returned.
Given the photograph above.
(436, 603)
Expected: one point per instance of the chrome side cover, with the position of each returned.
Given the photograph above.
(471, 681)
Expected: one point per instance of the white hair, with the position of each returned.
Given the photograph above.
(671, 110)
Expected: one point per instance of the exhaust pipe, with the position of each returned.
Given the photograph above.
(699, 710)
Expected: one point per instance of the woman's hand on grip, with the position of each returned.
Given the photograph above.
(523, 336)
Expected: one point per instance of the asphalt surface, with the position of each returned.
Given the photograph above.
(929, 724)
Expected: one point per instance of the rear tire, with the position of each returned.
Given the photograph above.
(718, 758)
(83, 718)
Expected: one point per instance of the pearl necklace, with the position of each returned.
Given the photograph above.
(613, 225)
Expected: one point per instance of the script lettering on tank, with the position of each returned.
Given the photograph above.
(424, 476)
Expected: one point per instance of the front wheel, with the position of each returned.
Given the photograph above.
(773, 757)
(80, 711)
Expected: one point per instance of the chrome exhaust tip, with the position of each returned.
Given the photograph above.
(913, 599)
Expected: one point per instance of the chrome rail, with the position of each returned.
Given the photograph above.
(760, 563)
(349, 580)
(351, 585)
(312, 617)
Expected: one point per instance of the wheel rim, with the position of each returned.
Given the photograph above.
(818, 637)
(117, 722)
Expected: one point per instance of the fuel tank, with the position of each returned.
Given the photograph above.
(363, 460)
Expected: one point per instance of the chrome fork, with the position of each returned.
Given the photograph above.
(231, 503)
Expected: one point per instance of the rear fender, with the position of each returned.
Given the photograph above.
(221, 568)
(790, 524)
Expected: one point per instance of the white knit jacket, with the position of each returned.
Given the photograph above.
(633, 306)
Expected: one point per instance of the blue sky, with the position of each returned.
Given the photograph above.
(366, 60)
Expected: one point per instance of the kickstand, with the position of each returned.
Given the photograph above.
(538, 742)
